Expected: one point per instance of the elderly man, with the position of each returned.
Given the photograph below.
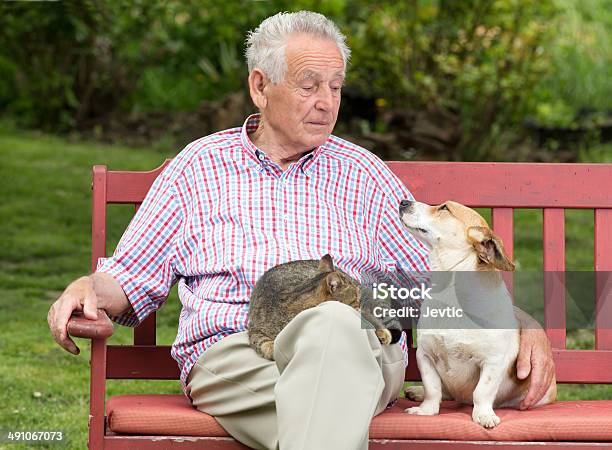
(238, 202)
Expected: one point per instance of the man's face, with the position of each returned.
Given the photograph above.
(303, 108)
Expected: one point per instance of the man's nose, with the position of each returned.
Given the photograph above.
(325, 100)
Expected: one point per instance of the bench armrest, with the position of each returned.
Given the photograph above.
(79, 326)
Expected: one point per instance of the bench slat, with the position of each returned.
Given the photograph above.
(572, 366)
(98, 215)
(603, 265)
(130, 186)
(116, 442)
(553, 238)
(141, 362)
(155, 363)
(510, 185)
(128, 442)
(503, 225)
(145, 333)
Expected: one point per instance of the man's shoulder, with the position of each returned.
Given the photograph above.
(356, 156)
(215, 142)
(363, 160)
(204, 150)
(343, 148)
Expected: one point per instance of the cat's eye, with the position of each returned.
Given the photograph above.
(443, 208)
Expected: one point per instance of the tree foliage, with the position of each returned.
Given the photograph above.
(478, 65)
(477, 59)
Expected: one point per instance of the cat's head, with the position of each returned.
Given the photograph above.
(337, 285)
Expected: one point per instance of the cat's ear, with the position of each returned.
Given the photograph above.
(326, 264)
(333, 282)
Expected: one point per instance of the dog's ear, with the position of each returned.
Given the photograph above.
(326, 264)
(489, 248)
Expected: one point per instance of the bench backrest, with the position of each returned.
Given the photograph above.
(502, 187)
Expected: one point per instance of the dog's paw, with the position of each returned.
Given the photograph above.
(415, 393)
(418, 411)
(384, 336)
(485, 417)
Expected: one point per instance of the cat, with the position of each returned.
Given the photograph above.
(287, 289)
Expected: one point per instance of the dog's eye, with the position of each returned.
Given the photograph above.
(443, 208)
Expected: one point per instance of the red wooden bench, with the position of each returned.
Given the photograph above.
(168, 421)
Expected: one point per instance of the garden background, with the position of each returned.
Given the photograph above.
(130, 83)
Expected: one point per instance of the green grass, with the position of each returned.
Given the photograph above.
(45, 217)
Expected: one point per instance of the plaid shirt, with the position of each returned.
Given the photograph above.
(222, 213)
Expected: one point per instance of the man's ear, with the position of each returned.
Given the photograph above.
(326, 264)
(489, 248)
(257, 84)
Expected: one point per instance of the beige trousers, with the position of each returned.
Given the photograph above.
(329, 378)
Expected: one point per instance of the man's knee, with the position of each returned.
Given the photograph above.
(329, 323)
(338, 309)
(334, 316)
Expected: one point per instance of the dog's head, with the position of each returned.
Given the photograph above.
(453, 227)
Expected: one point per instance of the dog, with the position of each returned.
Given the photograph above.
(471, 364)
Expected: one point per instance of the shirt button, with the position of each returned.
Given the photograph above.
(261, 156)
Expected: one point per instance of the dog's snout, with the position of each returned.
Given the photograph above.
(405, 205)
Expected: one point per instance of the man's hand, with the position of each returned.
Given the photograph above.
(78, 296)
(535, 357)
(86, 294)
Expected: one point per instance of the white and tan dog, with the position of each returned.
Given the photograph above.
(468, 364)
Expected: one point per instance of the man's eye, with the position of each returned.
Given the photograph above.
(308, 88)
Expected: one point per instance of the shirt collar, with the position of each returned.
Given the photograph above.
(258, 158)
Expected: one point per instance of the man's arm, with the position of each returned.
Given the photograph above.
(87, 294)
(535, 357)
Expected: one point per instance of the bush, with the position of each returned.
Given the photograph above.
(462, 74)
(581, 57)
(69, 62)
(477, 60)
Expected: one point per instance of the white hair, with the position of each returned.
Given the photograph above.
(265, 47)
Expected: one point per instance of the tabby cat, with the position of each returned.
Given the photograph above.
(290, 288)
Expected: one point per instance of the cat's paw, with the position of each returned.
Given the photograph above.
(267, 350)
(419, 411)
(415, 393)
(384, 336)
(485, 417)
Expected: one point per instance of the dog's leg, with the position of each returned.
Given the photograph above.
(417, 393)
(432, 386)
(484, 394)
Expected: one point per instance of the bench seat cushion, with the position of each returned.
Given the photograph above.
(562, 421)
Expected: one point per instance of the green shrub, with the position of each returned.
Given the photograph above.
(477, 59)
(486, 64)
(581, 57)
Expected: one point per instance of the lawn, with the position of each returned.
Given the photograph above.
(45, 217)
